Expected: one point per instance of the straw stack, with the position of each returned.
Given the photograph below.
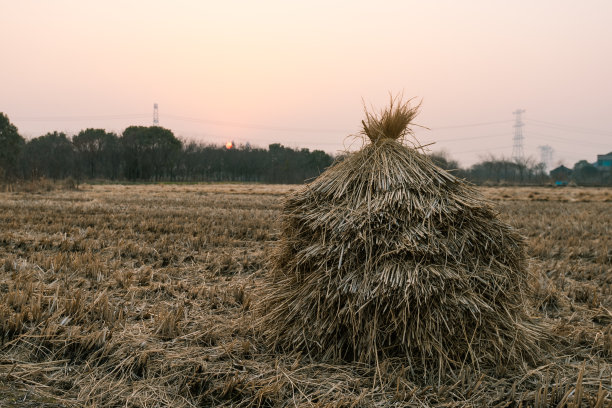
(387, 255)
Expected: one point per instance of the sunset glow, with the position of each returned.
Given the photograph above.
(296, 73)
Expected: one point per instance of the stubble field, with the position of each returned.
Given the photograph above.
(142, 296)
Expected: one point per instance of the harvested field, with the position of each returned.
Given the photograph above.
(141, 296)
(561, 194)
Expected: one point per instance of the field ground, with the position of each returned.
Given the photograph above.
(141, 296)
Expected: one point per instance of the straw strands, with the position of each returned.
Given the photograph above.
(387, 255)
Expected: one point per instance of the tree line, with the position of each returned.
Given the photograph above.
(496, 171)
(502, 171)
(153, 153)
(149, 153)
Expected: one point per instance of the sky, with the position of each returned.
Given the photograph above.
(299, 72)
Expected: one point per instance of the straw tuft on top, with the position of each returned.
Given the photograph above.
(391, 123)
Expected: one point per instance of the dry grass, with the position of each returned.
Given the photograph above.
(39, 185)
(142, 296)
(561, 194)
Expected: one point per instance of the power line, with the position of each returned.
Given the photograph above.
(261, 126)
(469, 125)
(573, 153)
(461, 139)
(77, 118)
(252, 125)
(566, 140)
(480, 150)
(537, 122)
(534, 122)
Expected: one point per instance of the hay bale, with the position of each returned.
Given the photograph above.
(386, 254)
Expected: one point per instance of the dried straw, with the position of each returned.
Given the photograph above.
(387, 255)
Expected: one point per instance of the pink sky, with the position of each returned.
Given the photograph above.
(296, 72)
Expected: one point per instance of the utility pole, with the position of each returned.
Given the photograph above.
(517, 148)
(155, 115)
(546, 153)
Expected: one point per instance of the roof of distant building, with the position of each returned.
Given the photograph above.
(560, 169)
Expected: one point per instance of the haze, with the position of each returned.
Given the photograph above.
(296, 72)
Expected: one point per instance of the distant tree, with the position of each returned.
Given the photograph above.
(277, 163)
(97, 153)
(51, 155)
(190, 165)
(319, 161)
(245, 163)
(540, 175)
(11, 148)
(150, 152)
(443, 160)
(586, 174)
(500, 170)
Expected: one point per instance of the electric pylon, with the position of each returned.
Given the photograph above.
(546, 153)
(517, 147)
(155, 115)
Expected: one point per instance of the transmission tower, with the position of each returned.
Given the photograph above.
(155, 115)
(546, 153)
(517, 148)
